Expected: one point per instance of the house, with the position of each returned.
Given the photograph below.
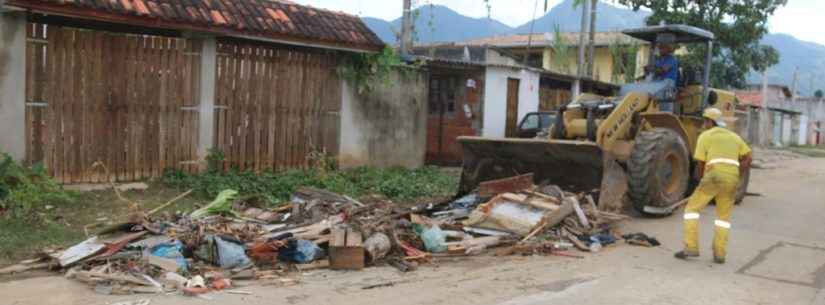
(148, 85)
(618, 57)
(484, 91)
(775, 117)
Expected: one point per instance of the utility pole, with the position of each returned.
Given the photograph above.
(591, 53)
(577, 84)
(764, 127)
(406, 28)
(794, 84)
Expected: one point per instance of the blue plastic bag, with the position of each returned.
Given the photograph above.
(435, 240)
(171, 251)
(231, 255)
(300, 251)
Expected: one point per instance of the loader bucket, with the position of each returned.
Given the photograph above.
(573, 165)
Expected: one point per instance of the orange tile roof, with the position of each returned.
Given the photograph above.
(546, 39)
(279, 20)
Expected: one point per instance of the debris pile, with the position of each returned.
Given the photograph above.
(235, 240)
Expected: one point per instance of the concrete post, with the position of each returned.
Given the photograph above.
(206, 128)
(13, 84)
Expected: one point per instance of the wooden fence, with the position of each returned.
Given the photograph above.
(275, 105)
(552, 99)
(128, 101)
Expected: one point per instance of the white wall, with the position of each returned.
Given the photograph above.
(13, 84)
(803, 131)
(495, 98)
(386, 127)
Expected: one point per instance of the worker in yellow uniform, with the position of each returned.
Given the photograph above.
(722, 158)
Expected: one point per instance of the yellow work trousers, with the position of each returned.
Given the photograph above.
(714, 185)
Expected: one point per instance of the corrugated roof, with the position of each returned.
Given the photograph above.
(547, 39)
(280, 20)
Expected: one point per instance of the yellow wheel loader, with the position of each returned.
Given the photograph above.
(621, 148)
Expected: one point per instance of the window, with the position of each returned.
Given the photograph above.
(532, 121)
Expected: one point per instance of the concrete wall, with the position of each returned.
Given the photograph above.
(13, 84)
(386, 127)
(495, 98)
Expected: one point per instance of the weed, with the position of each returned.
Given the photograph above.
(24, 189)
(20, 237)
(394, 183)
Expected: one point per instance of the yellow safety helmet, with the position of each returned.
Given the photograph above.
(714, 115)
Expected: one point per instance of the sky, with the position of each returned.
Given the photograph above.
(800, 18)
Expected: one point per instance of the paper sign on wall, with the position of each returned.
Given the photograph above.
(471, 83)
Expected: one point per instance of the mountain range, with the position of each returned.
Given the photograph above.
(436, 23)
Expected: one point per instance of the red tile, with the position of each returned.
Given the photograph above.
(140, 8)
(281, 19)
(217, 18)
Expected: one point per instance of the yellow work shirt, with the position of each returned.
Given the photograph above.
(721, 149)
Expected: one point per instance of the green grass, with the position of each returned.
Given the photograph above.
(21, 237)
(397, 184)
(63, 224)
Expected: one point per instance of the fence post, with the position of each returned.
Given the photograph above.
(13, 84)
(206, 128)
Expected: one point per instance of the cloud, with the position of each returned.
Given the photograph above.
(802, 19)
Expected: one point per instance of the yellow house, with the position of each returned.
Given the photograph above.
(618, 57)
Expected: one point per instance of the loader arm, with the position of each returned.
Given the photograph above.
(616, 126)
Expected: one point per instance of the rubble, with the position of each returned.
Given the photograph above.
(228, 242)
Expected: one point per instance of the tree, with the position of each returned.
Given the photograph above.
(819, 94)
(738, 25)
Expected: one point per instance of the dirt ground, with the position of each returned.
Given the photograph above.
(776, 256)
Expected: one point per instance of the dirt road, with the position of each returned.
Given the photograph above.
(776, 256)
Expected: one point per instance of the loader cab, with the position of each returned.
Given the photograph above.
(692, 79)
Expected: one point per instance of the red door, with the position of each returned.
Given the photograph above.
(452, 105)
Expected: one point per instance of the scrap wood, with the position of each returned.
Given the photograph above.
(91, 275)
(506, 185)
(320, 264)
(168, 203)
(283, 208)
(80, 251)
(554, 218)
(23, 268)
(524, 199)
(575, 241)
(580, 213)
(116, 245)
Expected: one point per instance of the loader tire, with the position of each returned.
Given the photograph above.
(658, 169)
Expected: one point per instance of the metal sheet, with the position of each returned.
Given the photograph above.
(573, 165)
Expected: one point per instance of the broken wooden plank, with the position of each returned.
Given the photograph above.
(321, 264)
(506, 185)
(556, 217)
(579, 212)
(23, 268)
(163, 263)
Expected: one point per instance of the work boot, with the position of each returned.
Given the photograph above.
(718, 260)
(685, 254)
